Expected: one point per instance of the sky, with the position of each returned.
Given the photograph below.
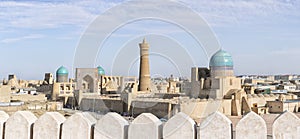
(263, 37)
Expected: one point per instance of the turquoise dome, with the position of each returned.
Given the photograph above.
(62, 71)
(221, 59)
(100, 70)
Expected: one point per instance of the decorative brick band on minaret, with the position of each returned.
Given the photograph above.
(144, 79)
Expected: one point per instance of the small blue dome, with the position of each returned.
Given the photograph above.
(62, 71)
(221, 59)
(100, 70)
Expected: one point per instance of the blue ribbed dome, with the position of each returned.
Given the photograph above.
(221, 59)
(100, 70)
(62, 71)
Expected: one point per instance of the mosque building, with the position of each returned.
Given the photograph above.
(217, 81)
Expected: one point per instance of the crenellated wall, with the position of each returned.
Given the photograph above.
(82, 125)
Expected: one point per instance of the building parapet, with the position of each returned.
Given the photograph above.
(146, 125)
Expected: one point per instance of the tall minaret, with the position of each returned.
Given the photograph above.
(144, 78)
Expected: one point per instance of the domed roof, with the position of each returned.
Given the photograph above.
(62, 71)
(221, 59)
(100, 70)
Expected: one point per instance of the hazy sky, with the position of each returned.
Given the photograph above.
(263, 37)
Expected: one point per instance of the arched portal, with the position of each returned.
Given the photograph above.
(88, 84)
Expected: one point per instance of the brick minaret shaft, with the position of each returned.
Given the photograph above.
(144, 79)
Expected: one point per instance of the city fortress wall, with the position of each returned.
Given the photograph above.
(82, 125)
